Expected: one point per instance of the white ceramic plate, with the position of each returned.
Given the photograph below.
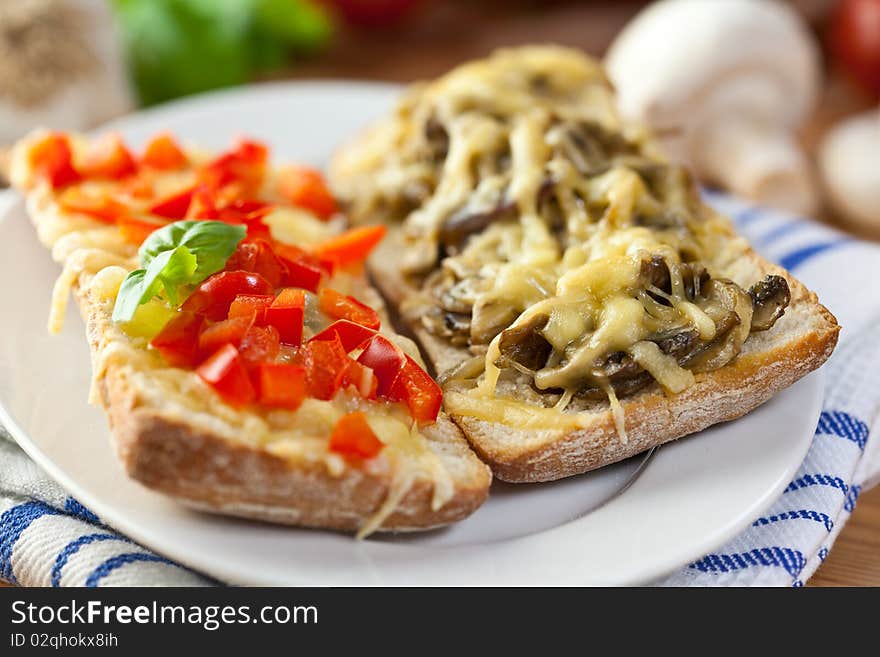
(629, 523)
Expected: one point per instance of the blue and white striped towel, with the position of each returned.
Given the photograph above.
(48, 539)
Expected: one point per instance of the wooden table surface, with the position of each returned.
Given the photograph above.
(447, 33)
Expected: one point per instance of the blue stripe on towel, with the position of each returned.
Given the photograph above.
(792, 561)
(802, 514)
(842, 424)
(13, 522)
(851, 498)
(748, 215)
(73, 547)
(75, 508)
(120, 560)
(780, 231)
(817, 479)
(798, 257)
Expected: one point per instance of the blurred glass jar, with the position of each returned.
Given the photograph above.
(61, 66)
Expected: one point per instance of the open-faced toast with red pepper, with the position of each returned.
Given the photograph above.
(578, 300)
(244, 362)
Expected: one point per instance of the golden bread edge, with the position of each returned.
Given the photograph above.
(652, 417)
(192, 464)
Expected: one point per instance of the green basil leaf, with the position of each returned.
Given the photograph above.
(212, 242)
(179, 255)
(168, 270)
(129, 297)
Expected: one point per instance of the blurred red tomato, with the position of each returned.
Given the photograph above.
(374, 13)
(854, 38)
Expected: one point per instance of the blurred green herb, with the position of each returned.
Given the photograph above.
(178, 47)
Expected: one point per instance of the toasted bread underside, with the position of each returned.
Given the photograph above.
(770, 361)
(188, 444)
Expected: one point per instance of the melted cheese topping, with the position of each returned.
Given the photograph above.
(534, 130)
(95, 260)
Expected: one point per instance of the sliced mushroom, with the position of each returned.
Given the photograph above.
(454, 327)
(458, 295)
(694, 276)
(628, 377)
(719, 351)
(731, 309)
(770, 298)
(679, 343)
(524, 345)
(654, 272)
(420, 256)
(467, 221)
(437, 139)
(489, 319)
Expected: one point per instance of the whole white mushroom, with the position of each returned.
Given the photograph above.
(849, 160)
(725, 84)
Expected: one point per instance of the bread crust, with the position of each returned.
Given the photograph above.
(652, 417)
(208, 465)
(203, 469)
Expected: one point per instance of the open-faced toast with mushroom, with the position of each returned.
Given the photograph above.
(244, 362)
(579, 303)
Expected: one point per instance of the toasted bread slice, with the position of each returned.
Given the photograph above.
(552, 264)
(175, 435)
(800, 341)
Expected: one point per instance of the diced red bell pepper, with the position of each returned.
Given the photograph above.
(282, 385)
(108, 157)
(162, 152)
(174, 206)
(256, 229)
(136, 230)
(339, 306)
(249, 150)
(305, 188)
(251, 305)
(304, 269)
(351, 335)
(203, 204)
(418, 391)
(225, 372)
(99, 206)
(244, 165)
(232, 213)
(286, 314)
(353, 438)
(140, 185)
(52, 161)
(385, 358)
(268, 265)
(215, 294)
(300, 273)
(228, 331)
(178, 341)
(351, 247)
(258, 257)
(260, 344)
(241, 209)
(326, 363)
(296, 254)
(244, 257)
(363, 379)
